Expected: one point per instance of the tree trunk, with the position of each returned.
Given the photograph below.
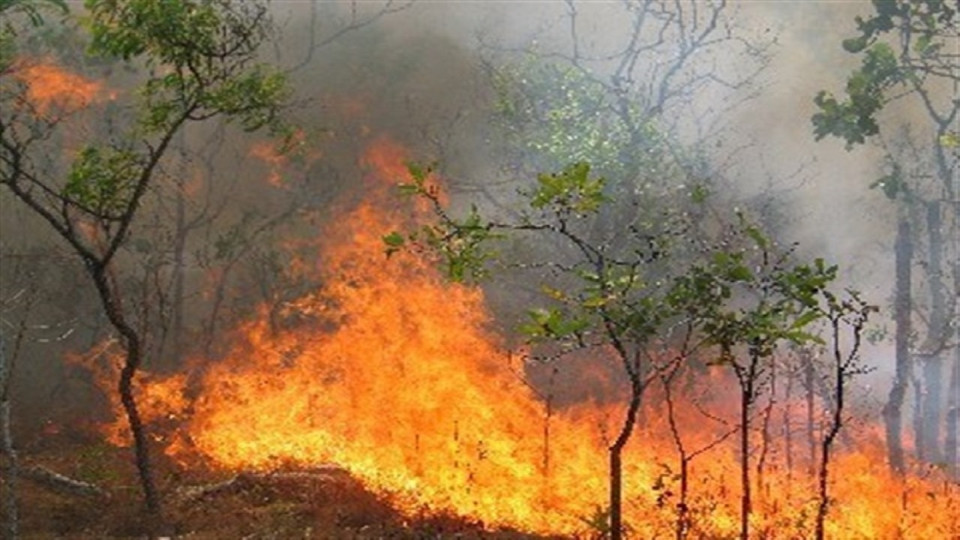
(132, 345)
(919, 441)
(836, 422)
(747, 379)
(179, 250)
(745, 463)
(892, 410)
(936, 336)
(951, 441)
(788, 430)
(616, 452)
(10, 515)
(808, 374)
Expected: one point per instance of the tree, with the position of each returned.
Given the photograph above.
(605, 296)
(650, 284)
(746, 300)
(629, 106)
(198, 59)
(909, 58)
(850, 314)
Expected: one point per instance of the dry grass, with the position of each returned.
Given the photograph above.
(288, 505)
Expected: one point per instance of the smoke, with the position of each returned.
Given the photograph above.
(418, 75)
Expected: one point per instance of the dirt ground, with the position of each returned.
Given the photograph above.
(205, 504)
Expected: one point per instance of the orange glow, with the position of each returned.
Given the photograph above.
(49, 87)
(277, 158)
(396, 375)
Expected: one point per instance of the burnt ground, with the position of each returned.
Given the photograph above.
(206, 504)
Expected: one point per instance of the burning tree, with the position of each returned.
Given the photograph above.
(660, 279)
(198, 61)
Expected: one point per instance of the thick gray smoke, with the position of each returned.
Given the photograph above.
(420, 74)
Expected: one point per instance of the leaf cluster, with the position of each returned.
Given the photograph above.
(571, 190)
(201, 56)
(924, 31)
(102, 181)
(552, 114)
(752, 297)
(33, 11)
(460, 243)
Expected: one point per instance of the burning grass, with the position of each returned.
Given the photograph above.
(395, 376)
(325, 503)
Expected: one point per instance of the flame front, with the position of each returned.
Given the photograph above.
(49, 86)
(395, 375)
(406, 388)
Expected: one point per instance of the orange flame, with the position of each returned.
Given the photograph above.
(50, 86)
(396, 375)
(277, 155)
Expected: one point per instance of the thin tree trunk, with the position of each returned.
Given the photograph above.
(808, 374)
(840, 374)
(936, 336)
(788, 429)
(744, 465)
(616, 452)
(132, 345)
(747, 382)
(11, 518)
(179, 249)
(682, 523)
(951, 441)
(920, 441)
(892, 410)
(765, 438)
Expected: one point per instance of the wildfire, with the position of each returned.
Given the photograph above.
(395, 375)
(50, 86)
(277, 157)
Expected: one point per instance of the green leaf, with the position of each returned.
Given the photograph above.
(855, 45)
(805, 319)
(699, 194)
(758, 237)
(949, 140)
(394, 239)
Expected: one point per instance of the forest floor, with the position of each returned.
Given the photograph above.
(204, 504)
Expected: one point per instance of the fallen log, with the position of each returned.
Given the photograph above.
(246, 480)
(61, 484)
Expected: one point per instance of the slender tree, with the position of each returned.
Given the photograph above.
(909, 56)
(199, 62)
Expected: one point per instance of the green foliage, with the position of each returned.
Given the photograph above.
(459, 243)
(950, 140)
(893, 184)
(854, 119)
(570, 190)
(33, 11)
(200, 53)
(102, 181)
(752, 297)
(174, 32)
(747, 296)
(553, 324)
(553, 114)
(200, 57)
(923, 27)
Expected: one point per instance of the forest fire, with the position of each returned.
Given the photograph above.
(722, 336)
(394, 374)
(51, 86)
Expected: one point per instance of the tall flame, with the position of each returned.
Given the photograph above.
(396, 375)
